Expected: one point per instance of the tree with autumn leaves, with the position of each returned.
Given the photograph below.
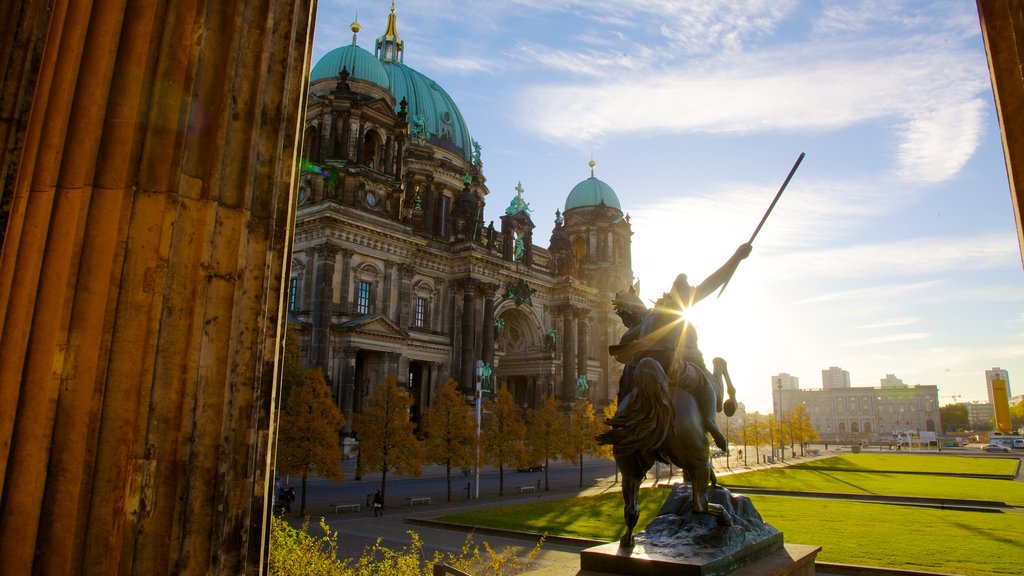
(544, 434)
(501, 436)
(385, 433)
(309, 436)
(581, 433)
(450, 426)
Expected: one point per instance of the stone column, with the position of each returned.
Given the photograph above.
(389, 274)
(583, 343)
(568, 337)
(405, 274)
(468, 356)
(394, 363)
(487, 327)
(306, 302)
(348, 387)
(323, 305)
(346, 282)
(142, 282)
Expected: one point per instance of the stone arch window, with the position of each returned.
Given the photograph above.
(311, 146)
(579, 249)
(519, 333)
(295, 284)
(841, 428)
(423, 294)
(854, 428)
(371, 150)
(867, 427)
(366, 282)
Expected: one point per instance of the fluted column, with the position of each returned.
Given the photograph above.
(323, 305)
(346, 281)
(348, 386)
(487, 291)
(568, 337)
(405, 274)
(142, 283)
(468, 357)
(583, 343)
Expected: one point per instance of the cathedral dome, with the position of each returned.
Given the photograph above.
(431, 105)
(359, 63)
(433, 114)
(592, 192)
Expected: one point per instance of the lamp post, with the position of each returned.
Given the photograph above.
(782, 440)
(478, 400)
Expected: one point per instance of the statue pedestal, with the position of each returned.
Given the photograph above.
(792, 560)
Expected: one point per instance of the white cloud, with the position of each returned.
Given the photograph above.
(904, 337)
(903, 259)
(890, 323)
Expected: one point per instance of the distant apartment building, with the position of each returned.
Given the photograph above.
(835, 377)
(997, 374)
(891, 381)
(845, 414)
(785, 381)
(980, 414)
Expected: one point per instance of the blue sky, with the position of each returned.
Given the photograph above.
(893, 251)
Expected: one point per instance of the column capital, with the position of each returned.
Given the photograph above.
(487, 289)
(326, 250)
(466, 284)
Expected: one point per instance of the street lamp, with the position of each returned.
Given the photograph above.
(478, 400)
(782, 443)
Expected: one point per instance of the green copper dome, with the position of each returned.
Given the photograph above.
(430, 105)
(592, 192)
(359, 63)
(433, 114)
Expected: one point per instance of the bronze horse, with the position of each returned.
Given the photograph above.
(656, 421)
(667, 397)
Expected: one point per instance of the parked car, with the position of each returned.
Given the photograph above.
(995, 448)
(532, 468)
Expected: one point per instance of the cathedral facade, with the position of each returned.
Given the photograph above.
(395, 272)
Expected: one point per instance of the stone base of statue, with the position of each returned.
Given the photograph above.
(679, 541)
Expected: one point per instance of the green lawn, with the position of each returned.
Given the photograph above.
(803, 480)
(896, 536)
(936, 464)
(913, 538)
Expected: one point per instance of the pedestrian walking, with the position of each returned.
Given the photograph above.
(378, 504)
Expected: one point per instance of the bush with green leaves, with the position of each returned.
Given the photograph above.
(295, 552)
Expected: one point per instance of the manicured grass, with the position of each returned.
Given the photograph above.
(595, 517)
(972, 543)
(907, 537)
(928, 486)
(935, 464)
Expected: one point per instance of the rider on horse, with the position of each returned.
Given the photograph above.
(663, 334)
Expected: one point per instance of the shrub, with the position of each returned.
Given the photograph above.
(294, 552)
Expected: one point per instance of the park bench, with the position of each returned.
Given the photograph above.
(411, 501)
(353, 507)
(525, 489)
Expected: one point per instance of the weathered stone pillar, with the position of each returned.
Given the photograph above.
(568, 337)
(583, 343)
(468, 357)
(405, 274)
(389, 280)
(346, 280)
(142, 282)
(487, 327)
(348, 387)
(322, 305)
